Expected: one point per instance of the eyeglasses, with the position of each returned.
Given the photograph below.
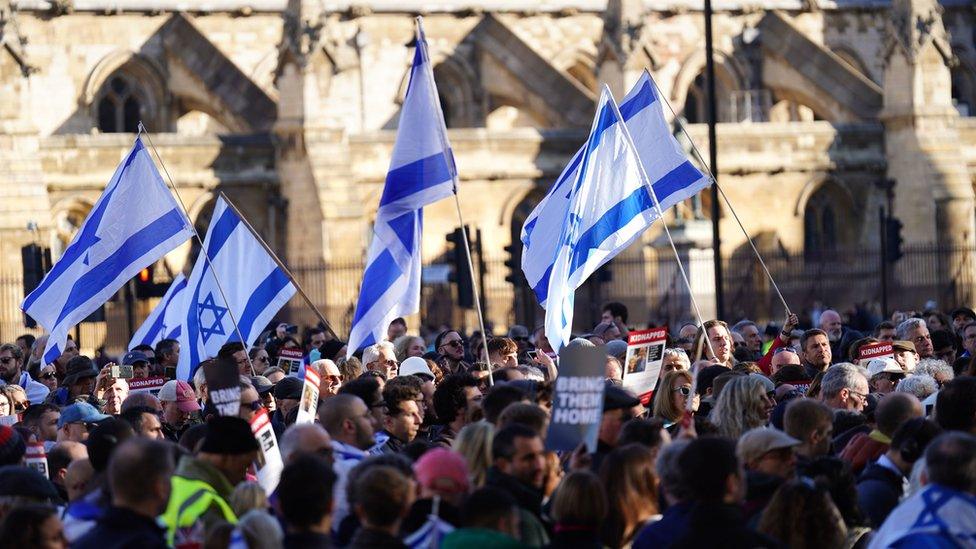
(862, 396)
(22, 406)
(49, 375)
(685, 391)
(254, 405)
(453, 343)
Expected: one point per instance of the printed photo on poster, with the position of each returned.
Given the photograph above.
(645, 353)
(309, 403)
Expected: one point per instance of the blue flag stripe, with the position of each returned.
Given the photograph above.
(404, 226)
(263, 294)
(380, 274)
(157, 325)
(415, 177)
(645, 98)
(222, 230)
(136, 246)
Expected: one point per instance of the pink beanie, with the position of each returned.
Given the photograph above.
(442, 470)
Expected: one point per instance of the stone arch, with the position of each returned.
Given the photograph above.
(459, 98)
(824, 206)
(852, 58)
(964, 85)
(581, 64)
(145, 76)
(68, 215)
(690, 81)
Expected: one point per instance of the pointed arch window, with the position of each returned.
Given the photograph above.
(121, 105)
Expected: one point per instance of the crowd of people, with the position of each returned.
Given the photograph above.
(754, 436)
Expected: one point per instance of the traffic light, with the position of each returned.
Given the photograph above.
(893, 239)
(515, 276)
(146, 285)
(460, 273)
(36, 261)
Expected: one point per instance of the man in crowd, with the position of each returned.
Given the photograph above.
(381, 358)
(202, 484)
(287, 394)
(42, 420)
(179, 401)
(330, 378)
(811, 423)
(76, 420)
(305, 498)
(78, 384)
(914, 330)
(832, 325)
(348, 421)
(750, 334)
(236, 353)
(844, 387)
(139, 475)
(905, 355)
(450, 346)
(115, 392)
(968, 335)
(12, 372)
(784, 356)
(141, 365)
(403, 416)
(167, 356)
(502, 352)
(59, 458)
(893, 410)
(816, 350)
(618, 406)
(306, 439)
(490, 518)
(518, 469)
(145, 422)
(769, 459)
(383, 497)
(369, 390)
(885, 331)
(455, 401)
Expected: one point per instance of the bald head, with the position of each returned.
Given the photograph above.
(141, 400)
(894, 410)
(304, 439)
(338, 409)
(77, 477)
(830, 322)
(139, 474)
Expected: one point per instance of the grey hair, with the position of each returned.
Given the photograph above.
(372, 353)
(932, 366)
(260, 529)
(580, 342)
(738, 326)
(668, 470)
(842, 375)
(678, 352)
(920, 385)
(907, 326)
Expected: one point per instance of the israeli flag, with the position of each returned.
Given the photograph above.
(421, 172)
(135, 222)
(165, 321)
(608, 206)
(673, 177)
(255, 286)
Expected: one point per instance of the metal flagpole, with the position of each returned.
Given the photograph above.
(203, 247)
(698, 155)
(421, 43)
(660, 213)
(281, 265)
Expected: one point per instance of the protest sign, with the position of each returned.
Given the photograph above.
(290, 361)
(882, 349)
(642, 365)
(268, 464)
(224, 386)
(147, 385)
(309, 403)
(36, 458)
(577, 405)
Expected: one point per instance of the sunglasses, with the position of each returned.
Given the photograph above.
(49, 375)
(22, 406)
(254, 405)
(455, 343)
(685, 391)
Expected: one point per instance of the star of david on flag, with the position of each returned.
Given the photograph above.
(254, 286)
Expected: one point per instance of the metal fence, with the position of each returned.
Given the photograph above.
(647, 282)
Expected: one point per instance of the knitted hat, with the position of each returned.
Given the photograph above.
(442, 470)
(21, 481)
(12, 446)
(228, 435)
(289, 387)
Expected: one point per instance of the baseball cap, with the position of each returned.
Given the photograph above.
(901, 346)
(964, 311)
(132, 357)
(262, 384)
(756, 442)
(883, 365)
(180, 392)
(80, 412)
(416, 366)
(442, 470)
(617, 348)
(289, 387)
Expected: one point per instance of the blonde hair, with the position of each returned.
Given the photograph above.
(248, 496)
(737, 409)
(474, 443)
(402, 344)
(663, 399)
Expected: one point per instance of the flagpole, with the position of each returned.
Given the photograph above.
(711, 176)
(281, 265)
(203, 247)
(421, 43)
(660, 212)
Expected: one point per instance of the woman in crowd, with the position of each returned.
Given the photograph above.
(6, 404)
(259, 359)
(407, 346)
(45, 375)
(671, 398)
(579, 508)
(802, 515)
(474, 443)
(631, 486)
(742, 405)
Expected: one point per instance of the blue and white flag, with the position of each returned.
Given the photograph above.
(255, 286)
(430, 535)
(135, 222)
(608, 206)
(421, 172)
(673, 177)
(165, 321)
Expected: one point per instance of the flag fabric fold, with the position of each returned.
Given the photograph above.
(165, 320)
(255, 286)
(674, 179)
(421, 172)
(607, 203)
(135, 222)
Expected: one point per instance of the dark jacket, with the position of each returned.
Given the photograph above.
(878, 491)
(760, 488)
(532, 529)
(122, 528)
(720, 525)
(369, 538)
(443, 436)
(570, 537)
(307, 540)
(420, 512)
(393, 445)
(663, 533)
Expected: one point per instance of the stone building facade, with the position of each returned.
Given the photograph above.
(290, 108)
